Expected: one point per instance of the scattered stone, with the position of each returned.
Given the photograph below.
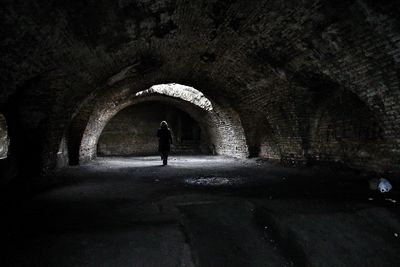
(214, 181)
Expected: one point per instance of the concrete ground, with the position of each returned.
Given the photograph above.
(203, 211)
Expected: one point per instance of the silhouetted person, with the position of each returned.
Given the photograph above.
(164, 141)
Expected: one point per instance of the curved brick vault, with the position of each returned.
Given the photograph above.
(223, 126)
(309, 80)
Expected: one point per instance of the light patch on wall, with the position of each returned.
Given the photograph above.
(184, 92)
(4, 139)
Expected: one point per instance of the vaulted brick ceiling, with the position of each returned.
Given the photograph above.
(275, 62)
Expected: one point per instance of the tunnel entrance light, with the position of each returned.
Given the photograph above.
(184, 92)
(222, 124)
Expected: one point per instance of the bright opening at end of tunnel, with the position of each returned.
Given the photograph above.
(184, 92)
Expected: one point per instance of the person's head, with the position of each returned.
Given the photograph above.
(164, 124)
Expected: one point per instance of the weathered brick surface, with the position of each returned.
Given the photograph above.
(133, 131)
(274, 64)
(221, 126)
(4, 139)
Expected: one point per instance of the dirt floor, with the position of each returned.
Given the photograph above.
(203, 211)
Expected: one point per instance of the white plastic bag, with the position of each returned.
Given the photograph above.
(384, 185)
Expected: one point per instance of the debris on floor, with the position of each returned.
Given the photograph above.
(382, 185)
(214, 181)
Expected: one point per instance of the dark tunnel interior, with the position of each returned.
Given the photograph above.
(284, 119)
(132, 132)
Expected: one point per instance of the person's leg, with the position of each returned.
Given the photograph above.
(165, 158)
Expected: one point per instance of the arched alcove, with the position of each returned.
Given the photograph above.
(132, 131)
(221, 123)
(345, 130)
(260, 137)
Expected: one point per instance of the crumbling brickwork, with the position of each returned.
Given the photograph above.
(276, 70)
(4, 140)
(220, 126)
(133, 131)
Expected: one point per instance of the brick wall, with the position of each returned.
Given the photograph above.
(4, 139)
(221, 128)
(133, 131)
(263, 62)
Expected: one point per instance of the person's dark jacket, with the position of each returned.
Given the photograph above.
(164, 139)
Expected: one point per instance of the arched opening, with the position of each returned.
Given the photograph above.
(261, 138)
(183, 92)
(345, 130)
(131, 132)
(221, 124)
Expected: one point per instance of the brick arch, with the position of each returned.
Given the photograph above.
(132, 132)
(343, 128)
(250, 64)
(261, 138)
(223, 124)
